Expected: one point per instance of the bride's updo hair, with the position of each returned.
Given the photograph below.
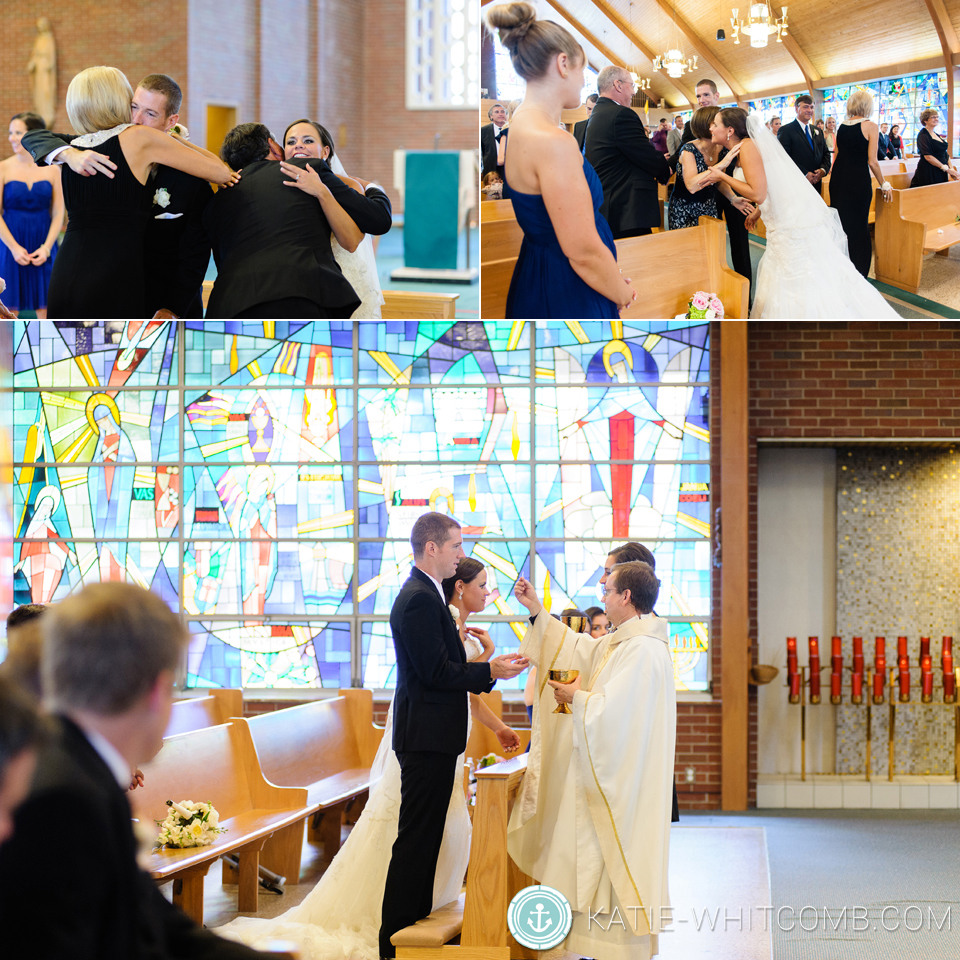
(735, 117)
(532, 43)
(322, 133)
(468, 570)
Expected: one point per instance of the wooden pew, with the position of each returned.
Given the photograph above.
(194, 713)
(496, 210)
(217, 765)
(325, 747)
(480, 915)
(916, 222)
(684, 261)
(399, 304)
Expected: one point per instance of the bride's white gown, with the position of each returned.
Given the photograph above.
(805, 273)
(340, 918)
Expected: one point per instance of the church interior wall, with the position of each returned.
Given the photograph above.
(127, 34)
(796, 593)
(285, 59)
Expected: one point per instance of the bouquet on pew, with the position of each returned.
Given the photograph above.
(189, 824)
(702, 306)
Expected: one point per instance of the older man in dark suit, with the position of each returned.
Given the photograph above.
(271, 241)
(111, 653)
(429, 719)
(625, 160)
(805, 144)
(490, 137)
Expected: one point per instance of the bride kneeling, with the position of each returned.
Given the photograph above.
(806, 273)
(340, 918)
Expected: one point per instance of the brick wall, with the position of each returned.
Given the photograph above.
(136, 36)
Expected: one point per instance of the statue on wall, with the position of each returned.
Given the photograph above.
(43, 72)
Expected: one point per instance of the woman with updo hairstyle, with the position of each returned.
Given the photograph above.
(567, 268)
(934, 165)
(805, 272)
(352, 249)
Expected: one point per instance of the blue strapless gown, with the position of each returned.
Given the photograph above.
(27, 214)
(544, 285)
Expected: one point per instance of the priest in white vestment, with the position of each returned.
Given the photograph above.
(593, 815)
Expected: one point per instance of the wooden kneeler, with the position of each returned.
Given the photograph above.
(479, 916)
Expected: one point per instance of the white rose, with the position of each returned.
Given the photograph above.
(214, 818)
(162, 197)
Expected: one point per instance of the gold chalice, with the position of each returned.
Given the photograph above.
(576, 624)
(565, 676)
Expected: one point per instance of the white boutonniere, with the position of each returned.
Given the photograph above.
(162, 197)
(454, 612)
(180, 129)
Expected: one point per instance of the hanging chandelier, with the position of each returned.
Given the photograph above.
(641, 85)
(759, 25)
(674, 63)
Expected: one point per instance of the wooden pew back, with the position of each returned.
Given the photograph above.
(500, 240)
(496, 210)
(193, 713)
(936, 205)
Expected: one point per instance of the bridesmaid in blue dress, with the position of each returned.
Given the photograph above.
(567, 268)
(31, 215)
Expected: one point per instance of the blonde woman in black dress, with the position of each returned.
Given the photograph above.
(850, 188)
(99, 271)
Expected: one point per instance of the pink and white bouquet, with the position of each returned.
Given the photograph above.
(189, 824)
(702, 306)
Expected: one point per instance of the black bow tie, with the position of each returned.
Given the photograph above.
(499, 133)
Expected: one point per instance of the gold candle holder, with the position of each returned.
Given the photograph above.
(565, 676)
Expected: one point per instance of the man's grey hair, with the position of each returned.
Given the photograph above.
(608, 76)
(105, 647)
(492, 105)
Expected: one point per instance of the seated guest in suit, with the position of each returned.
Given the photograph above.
(627, 163)
(580, 127)
(109, 661)
(896, 143)
(934, 164)
(272, 243)
(176, 254)
(805, 144)
(490, 135)
(22, 732)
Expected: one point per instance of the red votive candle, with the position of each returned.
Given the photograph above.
(835, 649)
(792, 655)
(880, 649)
(858, 654)
(924, 647)
(902, 647)
(814, 643)
(879, 679)
(794, 687)
(835, 681)
(926, 678)
(949, 680)
(904, 667)
(856, 687)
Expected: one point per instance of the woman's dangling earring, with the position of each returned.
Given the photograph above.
(460, 594)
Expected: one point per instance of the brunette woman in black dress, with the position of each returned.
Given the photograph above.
(99, 271)
(850, 187)
(934, 165)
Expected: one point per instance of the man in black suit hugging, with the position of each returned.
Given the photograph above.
(625, 160)
(805, 144)
(271, 241)
(429, 718)
(110, 655)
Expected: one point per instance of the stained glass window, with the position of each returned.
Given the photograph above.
(264, 477)
(782, 107)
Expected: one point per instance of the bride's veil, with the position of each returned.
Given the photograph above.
(365, 250)
(792, 203)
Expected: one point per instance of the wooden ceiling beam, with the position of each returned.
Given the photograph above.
(614, 17)
(950, 47)
(891, 71)
(609, 54)
(704, 52)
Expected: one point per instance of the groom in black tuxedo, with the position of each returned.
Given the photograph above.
(805, 144)
(429, 718)
(271, 242)
(109, 660)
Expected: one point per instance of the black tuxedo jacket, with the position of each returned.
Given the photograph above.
(488, 149)
(884, 151)
(628, 166)
(96, 904)
(580, 132)
(271, 242)
(176, 251)
(433, 676)
(794, 141)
